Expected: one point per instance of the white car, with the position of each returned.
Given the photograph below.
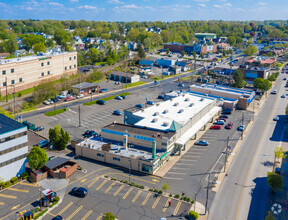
(79, 96)
(46, 102)
(49, 100)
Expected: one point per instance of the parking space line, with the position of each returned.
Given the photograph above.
(166, 205)
(87, 215)
(93, 182)
(177, 208)
(18, 190)
(177, 173)
(180, 168)
(146, 199)
(99, 217)
(2, 203)
(108, 189)
(29, 184)
(186, 164)
(172, 178)
(137, 195)
(102, 184)
(156, 202)
(8, 196)
(127, 193)
(186, 160)
(118, 190)
(65, 208)
(74, 213)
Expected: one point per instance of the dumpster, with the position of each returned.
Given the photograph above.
(28, 215)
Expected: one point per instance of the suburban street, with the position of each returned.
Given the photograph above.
(245, 189)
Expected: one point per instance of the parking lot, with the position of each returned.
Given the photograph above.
(121, 200)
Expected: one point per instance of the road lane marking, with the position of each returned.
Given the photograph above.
(18, 190)
(65, 208)
(155, 180)
(156, 202)
(185, 164)
(146, 199)
(177, 208)
(156, 177)
(93, 182)
(51, 214)
(108, 189)
(29, 184)
(99, 217)
(127, 193)
(8, 196)
(180, 168)
(136, 196)
(187, 160)
(118, 190)
(87, 215)
(102, 184)
(166, 205)
(83, 180)
(2, 203)
(177, 173)
(15, 207)
(172, 178)
(74, 213)
(132, 177)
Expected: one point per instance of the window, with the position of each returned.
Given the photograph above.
(48, 63)
(12, 81)
(116, 158)
(20, 80)
(70, 58)
(3, 72)
(100, 155)
(65, 67)
(146, 168)
(74, 65)
(12, 70)
(74, 57)
(42, 74)
(4, 83)
(48, 73)
(70, 67)
(42, 64)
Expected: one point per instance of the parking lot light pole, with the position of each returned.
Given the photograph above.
(195, 194)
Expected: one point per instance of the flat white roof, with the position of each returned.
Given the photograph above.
(180, 109)
(33, 57)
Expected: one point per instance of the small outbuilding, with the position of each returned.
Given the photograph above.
(60, 167)
(124, 77)
(86, 88)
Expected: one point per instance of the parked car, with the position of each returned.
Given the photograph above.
(103, 90)
(55, 100)
(219, 122)
(215, 127)
(116, 112)
(284, 78)
(117, 83)
(118, 97)
(181, 85)
(274, 92)
(150, 103)
(224, 116)
(90, 133)
(139, 106)
(229, 125)
(79, 191)
(46, 102)
(241, 128)
(49, 100)
(79, 96)
(61, 96)
(202, 143)
(100, 102)
(144, 77)
(123, 96)
(161, 97)
(226, 111)
(69, 99)
(283, 96)
(223, 119)
(43, 143)
(276, 118)
(58, 217)
(40, 128)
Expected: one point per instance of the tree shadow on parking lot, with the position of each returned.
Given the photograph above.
(267, 163)
(277, 133)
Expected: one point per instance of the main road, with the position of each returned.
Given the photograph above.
(244, 192)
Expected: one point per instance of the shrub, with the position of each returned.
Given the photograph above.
(126, 181)
(177, 196)
(151, 190)
(192, 201)
(182, 198)
(2, 185)
(24, 175)
(41, 213)
(106, 176)
(37, 209)
(142, 187)
(170, 195)
(160, 192)
(193, 215)
(113, 178)
(14, 180)
(8, 184)
(188, 200)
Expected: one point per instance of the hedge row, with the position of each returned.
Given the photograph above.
(126, 182)
(12, 181)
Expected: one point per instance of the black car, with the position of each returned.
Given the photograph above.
(58, 217)
(40, 128)
(100, 102)
(79, 191)
(55, 99)
(161, 97)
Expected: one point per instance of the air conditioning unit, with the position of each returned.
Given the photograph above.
(181, 110)
(165, 111)
(155, 120)
(156, 113)
(176, 103)
(191, 104)
(165, 124)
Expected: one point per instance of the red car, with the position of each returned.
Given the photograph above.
(223, 119)
(229, 125)
(215, 127)
(69, 99)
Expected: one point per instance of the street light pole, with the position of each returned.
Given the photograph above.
(207, 194)
(242, 126)
(226, 154)
(195, 193)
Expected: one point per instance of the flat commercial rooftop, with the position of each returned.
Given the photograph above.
(8, 124)
(97, 143)
(178, 110)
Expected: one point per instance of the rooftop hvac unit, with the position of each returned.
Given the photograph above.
(165, 124)
(176, 103)
(156, 113)
(181, 110)
(191, 104)
(165, 111)
(155, 120)
(201, 99)
(187, 99)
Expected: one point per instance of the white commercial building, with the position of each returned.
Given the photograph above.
(13, 148)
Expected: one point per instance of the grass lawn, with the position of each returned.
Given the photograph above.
(56, 112)
(164, 77)
(107, 98)
(134, 84)
(100, 63)
(23, 92)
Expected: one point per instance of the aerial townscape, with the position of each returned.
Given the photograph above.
(122, 110)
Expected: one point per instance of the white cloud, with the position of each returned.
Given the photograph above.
(201, 0)
(132, 6)
(115, 2)
(227, 4)
(56, 4)
(202, 5)
(222, 0)
(88, 7)
(261, 3)
(217, 6)
(74, 0)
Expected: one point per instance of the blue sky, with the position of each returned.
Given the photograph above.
(144, 10)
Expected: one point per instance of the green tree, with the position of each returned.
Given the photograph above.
(279, 153)
(167, 50)
(165, 187)
(50, 43)
(272, 78)
(286, 110)
(95, 76)
(39, 47)
(37, 158)
(231, 40)
(109, 216)
(239, 79)
(275, 181)
(193, 215)
(61, 37)
(141, 52)
(251, 50)
(6, 113)
(263, 84)
(202, 55)
(182, 53)
(270, 216)
(58, 137)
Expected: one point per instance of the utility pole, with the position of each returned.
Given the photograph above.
(226, 154)
(242, 126)
(195, 194)
(207, 194)
(79, 116)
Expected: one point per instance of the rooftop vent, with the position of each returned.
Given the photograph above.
(165, 111)
(165, 124)
(187, 99)
(181, 110)
(176, 104)
(155, 120)
(156, 113)
(201, 99)
(191, 104)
